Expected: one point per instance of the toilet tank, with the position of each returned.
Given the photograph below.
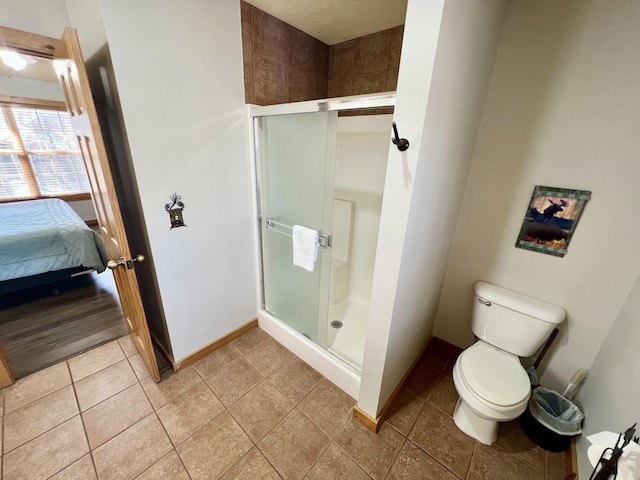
(511, 321)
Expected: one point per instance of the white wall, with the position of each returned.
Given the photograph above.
(362, 148)
(609, 395)
(562, 111)
(179, 73)
(25, 87)
(44, 17)
(447, 58)
(86, 18)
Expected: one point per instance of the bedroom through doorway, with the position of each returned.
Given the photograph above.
(44, 320)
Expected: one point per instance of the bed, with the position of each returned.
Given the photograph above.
(45, 240)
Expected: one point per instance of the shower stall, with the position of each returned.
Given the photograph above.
(322, 165)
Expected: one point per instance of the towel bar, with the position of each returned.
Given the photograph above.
(323, 241)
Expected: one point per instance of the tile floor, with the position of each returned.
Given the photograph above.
(249, 410)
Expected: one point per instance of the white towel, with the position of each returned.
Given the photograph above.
(305, 247)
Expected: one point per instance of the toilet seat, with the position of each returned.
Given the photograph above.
(494, 376)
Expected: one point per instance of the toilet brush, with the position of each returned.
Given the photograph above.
(574, 383)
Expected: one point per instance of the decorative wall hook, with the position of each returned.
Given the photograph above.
(401, 143)
(175, 211)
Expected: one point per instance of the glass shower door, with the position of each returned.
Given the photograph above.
(296, 159)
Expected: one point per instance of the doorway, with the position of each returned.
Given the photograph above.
(70, 70)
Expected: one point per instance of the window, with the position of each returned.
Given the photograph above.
(39, 154)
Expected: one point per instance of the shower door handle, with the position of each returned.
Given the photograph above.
(325, 242)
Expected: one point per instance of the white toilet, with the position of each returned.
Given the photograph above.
(492, 383)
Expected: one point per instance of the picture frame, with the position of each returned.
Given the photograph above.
(551, 219)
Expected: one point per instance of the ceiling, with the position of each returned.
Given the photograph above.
(335, 21)
(330, 21)
(42, 70)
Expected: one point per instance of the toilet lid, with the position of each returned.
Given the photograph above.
(494, 375)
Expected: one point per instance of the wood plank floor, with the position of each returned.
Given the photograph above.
(44, 325)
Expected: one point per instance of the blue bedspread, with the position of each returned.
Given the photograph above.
(40, 236)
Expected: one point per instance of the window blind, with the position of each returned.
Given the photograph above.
(39, 154)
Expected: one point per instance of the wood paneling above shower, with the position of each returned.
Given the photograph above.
(283, 64)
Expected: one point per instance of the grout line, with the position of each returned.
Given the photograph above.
(395, 458)
(473, 454)
(84, 428)
(346, 454)
(93, 349)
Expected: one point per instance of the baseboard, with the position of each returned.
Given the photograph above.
(371, 423)
(212, 347)
(374, 424)
(572, 458)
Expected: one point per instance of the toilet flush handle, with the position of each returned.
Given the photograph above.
(484, 302)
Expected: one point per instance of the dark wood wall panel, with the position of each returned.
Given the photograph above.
(283, 64)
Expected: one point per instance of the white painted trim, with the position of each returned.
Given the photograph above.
(339, 373)
(255, 224)
(325, 105)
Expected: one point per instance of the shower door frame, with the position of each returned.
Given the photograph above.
(331, 366)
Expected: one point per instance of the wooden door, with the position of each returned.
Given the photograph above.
(73, 78)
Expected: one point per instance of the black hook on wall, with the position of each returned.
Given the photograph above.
(401, 143)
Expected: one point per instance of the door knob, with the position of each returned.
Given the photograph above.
(112, 264)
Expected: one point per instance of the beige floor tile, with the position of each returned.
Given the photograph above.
(443, 395)
(47, 454)
(103, 384)
(373, 452)
(233, 381)
(422, 380)
(515, 442)
(404, 410)
(114, 415)
(40, 416)
(260, 409)
(328, 407)
(139, 368)
(95, 360)
(295, 379)
(293, 446)
(80, 470)
(414, 463)
(215, 448)
(436, 434)
(133, 451)
(491, 463)
(168, 468)
(127, 346)
(252, 465)
(35, 386)
(189, 411)
(215, 361)
(269, 356)
(171, 385)
(335, 463)
(438, 354)
(250, 340)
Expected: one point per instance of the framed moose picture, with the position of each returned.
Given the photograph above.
(551, 219)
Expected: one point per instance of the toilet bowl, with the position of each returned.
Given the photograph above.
(492, 383)
(493, 387)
